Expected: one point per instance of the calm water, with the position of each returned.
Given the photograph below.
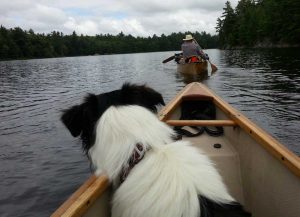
(41, 164)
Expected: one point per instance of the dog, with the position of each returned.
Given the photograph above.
(152, 174)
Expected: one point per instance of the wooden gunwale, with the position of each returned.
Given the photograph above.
(79, 202)
(274, 147)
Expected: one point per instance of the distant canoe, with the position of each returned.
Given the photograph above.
(197, 68)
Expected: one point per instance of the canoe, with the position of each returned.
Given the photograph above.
(259, 171)
(197, 68)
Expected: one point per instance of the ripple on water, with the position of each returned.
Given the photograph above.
(43, 164)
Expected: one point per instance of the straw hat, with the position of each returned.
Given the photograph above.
(188, 37)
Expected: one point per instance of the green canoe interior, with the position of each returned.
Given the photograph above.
(257, 179)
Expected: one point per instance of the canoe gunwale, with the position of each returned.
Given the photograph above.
(83, 198)
(274, 147)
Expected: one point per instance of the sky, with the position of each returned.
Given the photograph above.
(90, 17)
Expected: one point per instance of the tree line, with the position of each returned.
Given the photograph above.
(16, 43)
(260, 23)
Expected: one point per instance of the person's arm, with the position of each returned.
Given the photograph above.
(199, 50)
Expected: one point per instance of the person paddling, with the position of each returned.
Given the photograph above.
(191, 49)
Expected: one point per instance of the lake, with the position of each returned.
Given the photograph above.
(42, 164)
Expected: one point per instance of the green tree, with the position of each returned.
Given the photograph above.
(226, 25)
(259, 21)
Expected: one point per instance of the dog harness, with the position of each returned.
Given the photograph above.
(137, 155)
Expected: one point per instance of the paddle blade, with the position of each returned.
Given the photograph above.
(213, 67)
(168, 59)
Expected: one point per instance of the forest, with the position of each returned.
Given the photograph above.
(21, 44)
(260, 23)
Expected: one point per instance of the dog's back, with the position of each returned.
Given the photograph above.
(171, 177)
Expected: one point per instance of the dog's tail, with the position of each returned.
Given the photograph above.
(172, 176)
(191, 167)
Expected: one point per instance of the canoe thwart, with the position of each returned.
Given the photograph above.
(201, 123)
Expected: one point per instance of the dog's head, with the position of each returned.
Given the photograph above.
(81, 119)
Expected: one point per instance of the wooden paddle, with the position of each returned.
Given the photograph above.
(213, 67)
(168, 59)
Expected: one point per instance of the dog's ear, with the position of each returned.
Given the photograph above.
(152, 96)
(80, 119)
(72, 119)
(141, 95)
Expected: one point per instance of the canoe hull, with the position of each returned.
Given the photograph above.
(259, 172)
(192, 68)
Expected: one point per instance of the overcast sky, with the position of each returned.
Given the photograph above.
(90, 17)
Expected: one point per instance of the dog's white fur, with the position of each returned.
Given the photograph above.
(169, 179)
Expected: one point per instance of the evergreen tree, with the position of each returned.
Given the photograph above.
(260, 21)
(228, 22)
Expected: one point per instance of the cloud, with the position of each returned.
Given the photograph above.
(37, 17)
(90, 17)
(170, 6)
(86, 26)
(181, 21)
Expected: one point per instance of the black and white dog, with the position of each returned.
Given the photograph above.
(153, 175)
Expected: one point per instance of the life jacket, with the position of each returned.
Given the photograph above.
(192, 59)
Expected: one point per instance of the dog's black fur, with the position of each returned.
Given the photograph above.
(81, 119)
(210, 208)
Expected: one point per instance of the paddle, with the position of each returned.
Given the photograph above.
(168, 59)
(213, 67)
